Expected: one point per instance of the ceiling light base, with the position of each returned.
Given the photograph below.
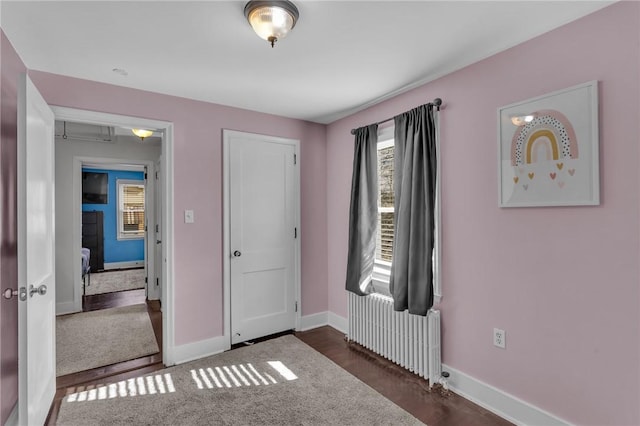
(142, 133)
(271, 20)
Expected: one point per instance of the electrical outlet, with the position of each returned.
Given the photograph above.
(499, 338)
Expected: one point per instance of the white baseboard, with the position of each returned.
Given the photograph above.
(201, 349)
(499, 402)
(312, 321)
(216, 345)
(124, 265)
(339, 323)
(12, 420)
(489, 397)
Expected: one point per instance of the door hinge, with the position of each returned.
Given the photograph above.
(157, 281)
(295, 232)
(156, 175)
(146, 280)
(157, 227)
(295, 158)
(296, 307)
(145, 175)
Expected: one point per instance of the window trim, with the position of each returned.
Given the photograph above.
(437, 249)
(121, 235)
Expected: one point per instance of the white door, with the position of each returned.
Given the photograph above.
(36, 256)
(262, 219)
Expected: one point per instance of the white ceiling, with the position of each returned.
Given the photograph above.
(340, 58)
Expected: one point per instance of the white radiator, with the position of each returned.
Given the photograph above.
(411, 341)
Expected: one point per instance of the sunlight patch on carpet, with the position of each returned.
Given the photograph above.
(279, 381)
(149, 385)
(239, 376)
(220, 377)
(283, 370)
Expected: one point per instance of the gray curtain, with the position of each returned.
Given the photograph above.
(363, 213)
(414, 184)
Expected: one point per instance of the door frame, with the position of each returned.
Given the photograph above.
(157, 231)
(167, 190)
(226, 221)
(150, 194)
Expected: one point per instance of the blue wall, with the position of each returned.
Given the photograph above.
(114, 250)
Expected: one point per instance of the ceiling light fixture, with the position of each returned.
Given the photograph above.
(521, 120)
(271, 20)
(142, 133)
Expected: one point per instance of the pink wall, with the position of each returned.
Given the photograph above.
(562, 282)
(581, 263)
(10, 68)
(198, 186)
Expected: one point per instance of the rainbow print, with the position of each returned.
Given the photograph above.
(548, 137)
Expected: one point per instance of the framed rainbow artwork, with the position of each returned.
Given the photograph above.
(548, 150)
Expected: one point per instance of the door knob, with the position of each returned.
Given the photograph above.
(237, 254)
(9, 293)
(42, 290)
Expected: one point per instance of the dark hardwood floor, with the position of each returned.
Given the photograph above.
(397, 384)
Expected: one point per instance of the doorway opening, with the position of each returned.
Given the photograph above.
(115, 213)
(106, 174)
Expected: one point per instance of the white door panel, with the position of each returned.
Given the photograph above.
(36, 256)
(262, 213)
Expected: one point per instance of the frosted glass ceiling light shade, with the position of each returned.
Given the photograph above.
(521, 120)
(271, 20)
(142, 133)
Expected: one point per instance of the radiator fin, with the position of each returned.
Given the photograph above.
(411, 341)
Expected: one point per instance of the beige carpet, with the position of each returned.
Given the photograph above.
(277, 382)
(94, 339)
(111, 281)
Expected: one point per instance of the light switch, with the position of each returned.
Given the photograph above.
(188, 216)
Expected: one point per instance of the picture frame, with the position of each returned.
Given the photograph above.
(548, 149)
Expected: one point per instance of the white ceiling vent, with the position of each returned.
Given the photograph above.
(84, 132)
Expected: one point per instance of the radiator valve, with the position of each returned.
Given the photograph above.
(444, 382)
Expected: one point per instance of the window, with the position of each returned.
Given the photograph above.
(384, 237)
(131, 209)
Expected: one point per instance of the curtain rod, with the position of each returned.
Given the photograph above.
(436, 103)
